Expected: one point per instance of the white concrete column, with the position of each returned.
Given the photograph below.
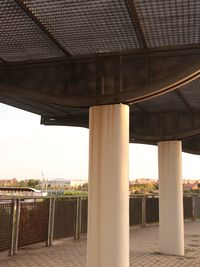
(171, 222)
(108, 209)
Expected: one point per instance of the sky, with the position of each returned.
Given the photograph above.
(29, 149)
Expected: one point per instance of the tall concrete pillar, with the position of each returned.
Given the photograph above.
(108, 209)
(171, 222)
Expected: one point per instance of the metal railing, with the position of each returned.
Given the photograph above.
(28, 220)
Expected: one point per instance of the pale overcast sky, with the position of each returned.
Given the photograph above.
(28, 148)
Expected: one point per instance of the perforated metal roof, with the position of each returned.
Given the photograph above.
(42, 29)
(20, 38)
(169, 23)
(85, 27)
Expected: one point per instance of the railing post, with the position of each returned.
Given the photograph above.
(18, 212)
(143, 210)
(14, 208)
(80, 218)
(48, 243)
(76, 233)
(52, 219)
(193, 208)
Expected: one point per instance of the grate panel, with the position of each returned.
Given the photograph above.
(33, 226)
(169, 23)
(84, 215)
(152, 210)
(87, 26)
(197, 207)
(20, 38)
(187, 206)
(135, 211)
(6, 210)
(64, 222)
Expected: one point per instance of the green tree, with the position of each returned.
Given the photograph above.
(33, 183)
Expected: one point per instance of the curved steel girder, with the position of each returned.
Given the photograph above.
(189, 145)
(119, 79)
(144, 127)
(192, 145)
(79, 118)
(70, 120)
(153, 127)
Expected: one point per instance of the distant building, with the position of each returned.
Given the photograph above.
(65, 183)
(77, 183)
(188, 181)
(145, 181)
(190, 186)
(58, 183)
(8, 182)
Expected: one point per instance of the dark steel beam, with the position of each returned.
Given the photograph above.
(41, 26)
(164, 125)
(171, 88)
(3, 60)
(55, 108)
(139, 106)
(136, 23)
(189, 145)
(73, 120)
(192, 145)
(35, 107)
(182, 98)
(14, 102)
(148, 53)
(70, 84)
(144, 127)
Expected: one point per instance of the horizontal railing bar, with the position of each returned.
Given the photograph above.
(36, 197)
(84, 197)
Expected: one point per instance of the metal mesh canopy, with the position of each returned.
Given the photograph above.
(20, 37)
(42, 29)
(85, 27)
(169, 23)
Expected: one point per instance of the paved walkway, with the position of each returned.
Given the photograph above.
(143, 251)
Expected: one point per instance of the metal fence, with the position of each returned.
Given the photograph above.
(135, 210)
(65, 217)
(6, 219)
(28, 220)
(33, 222)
